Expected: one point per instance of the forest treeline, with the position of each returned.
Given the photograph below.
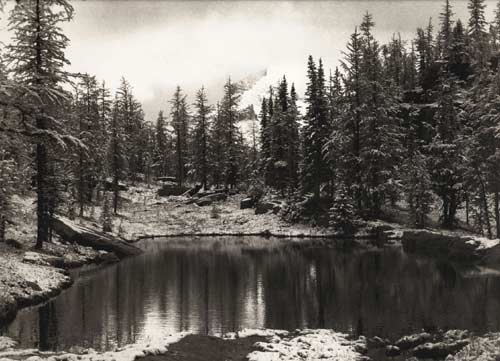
(411, 120)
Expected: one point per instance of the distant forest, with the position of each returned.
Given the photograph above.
(413, 122)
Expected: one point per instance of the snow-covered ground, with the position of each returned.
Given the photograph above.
(144, 213)
(307, 345)
(484, 348)
(24, 283)
(130, 352)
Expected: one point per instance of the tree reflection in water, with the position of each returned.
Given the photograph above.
(224, 286)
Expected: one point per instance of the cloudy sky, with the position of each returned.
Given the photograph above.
(159, 44)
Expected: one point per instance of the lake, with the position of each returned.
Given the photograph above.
(219, 285)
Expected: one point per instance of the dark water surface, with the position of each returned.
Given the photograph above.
(216, 286)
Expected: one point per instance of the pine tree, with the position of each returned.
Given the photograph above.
(446, 158)
(88, 130)
(106, 221)
(217, 147)
(477, 21)
(201, 137)
(316, 130)
(117, 150)
(104, 104)
(417, 187)
(479, 50)
(37, 59)
(342, 214)
(161, 145)
(232, 142)
(180, 123)
(445, 33)
(265, 140)
(8, 180)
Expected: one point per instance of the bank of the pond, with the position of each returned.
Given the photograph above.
(29, 277)
(249, 344)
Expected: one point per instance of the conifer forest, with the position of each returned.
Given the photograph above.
(349, 212)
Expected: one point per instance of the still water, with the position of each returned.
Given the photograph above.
(216, 286)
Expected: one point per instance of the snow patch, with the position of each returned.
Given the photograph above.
(146, 347)
(309, 345)
(263, 332)
(484, 243)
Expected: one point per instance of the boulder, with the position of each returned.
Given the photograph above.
(13, 243)
(172, 189)
(452, 246)
(166, 179)
(208, 200)
(276, 208)
(247, 203)
(263, 207)
(72, 232)
(391, 351)
(407, 342)
(43, 259)
(438, 350)
(377, 342)
(192, 191)
(109, 186)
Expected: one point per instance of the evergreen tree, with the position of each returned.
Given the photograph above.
(201, 137)
(37, 59)
(180, 123)
(446, 158)
(350, 139)
(445, 33)
(117, 149)
(316, 130)
(232, 141)
(161, 145)
(217, 147)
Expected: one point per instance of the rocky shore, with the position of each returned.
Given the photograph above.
(28, 278)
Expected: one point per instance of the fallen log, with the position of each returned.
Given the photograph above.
(72, 232)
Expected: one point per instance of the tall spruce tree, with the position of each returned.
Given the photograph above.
(315, 130)
(201, 117)
(161, 145)
(37, 59)
(180, 123)
(232, 141)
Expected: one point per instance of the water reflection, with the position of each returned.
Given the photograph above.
(223, 287)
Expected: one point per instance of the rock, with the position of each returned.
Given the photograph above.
(109, 186)
(391, 351)
(454, 247)
(192, 191)
(246, 203)
(407, 342)
(208, 200)
(377, 342)
(33, 285)
(71, 232)
(107, 257)
(13, 243)
(439, 350)
(7, 343)
(264, 207)
(360, 348)
(43, 259)
(172, 189)
(276, 208)
(166, 179)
